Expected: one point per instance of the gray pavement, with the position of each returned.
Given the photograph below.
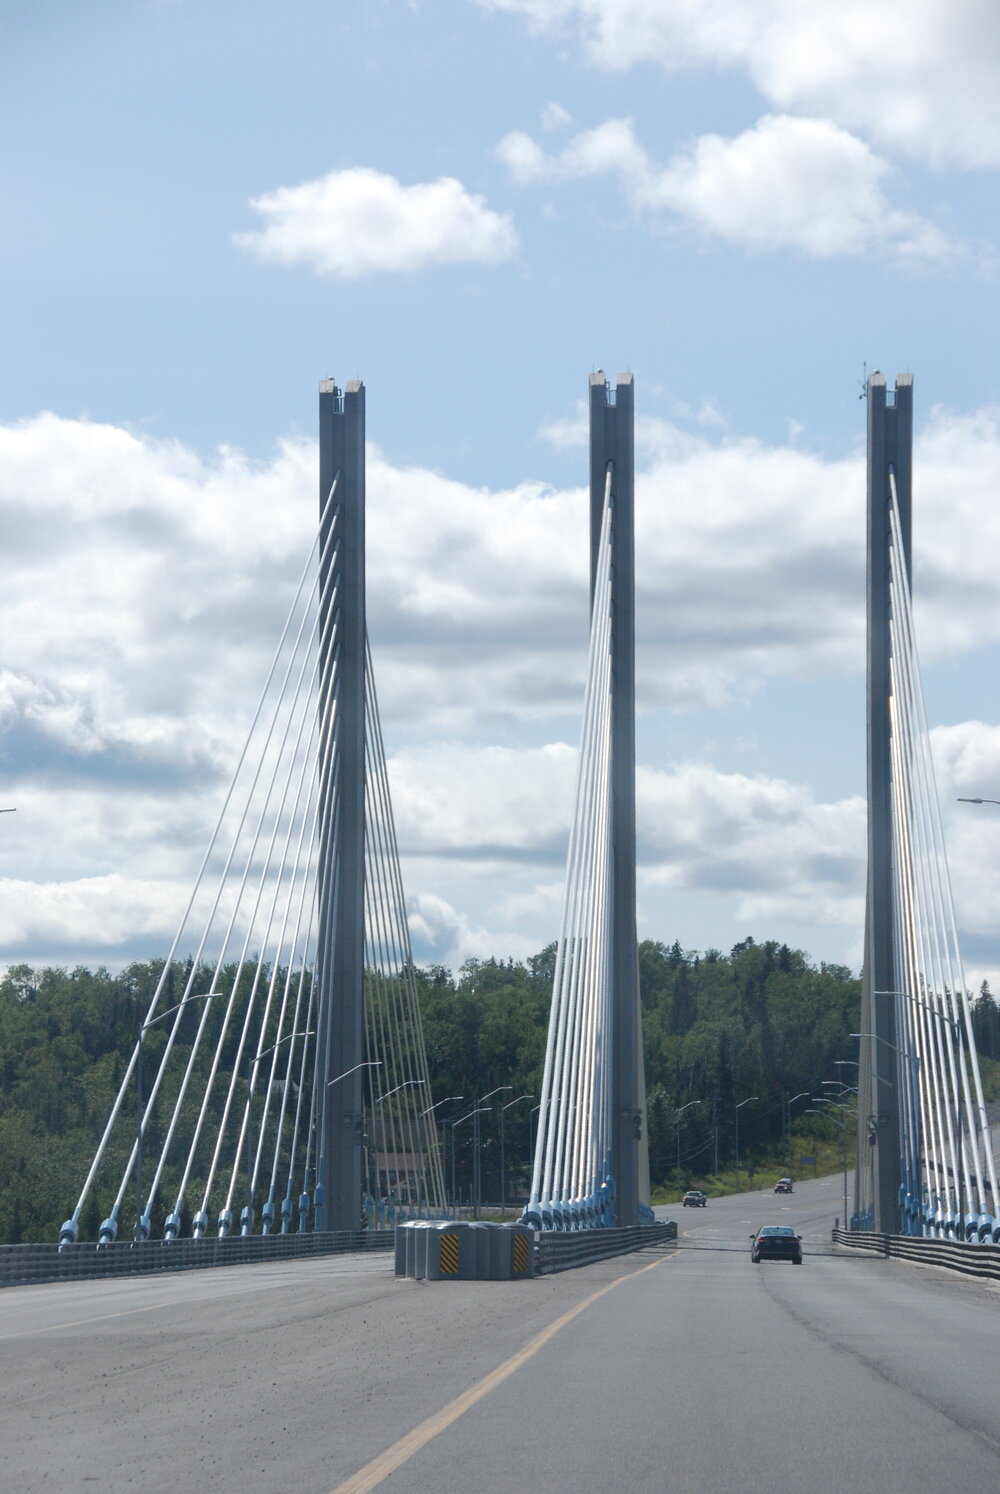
(684, 1368)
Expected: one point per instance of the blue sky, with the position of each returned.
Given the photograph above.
(471, 204)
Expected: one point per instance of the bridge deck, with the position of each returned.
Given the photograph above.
(680, 1369)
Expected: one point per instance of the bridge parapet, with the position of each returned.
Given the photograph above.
(21, 1265)
(949, 1255)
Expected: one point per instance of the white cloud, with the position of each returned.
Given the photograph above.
(360, 222)
(802, 184)
(763, 839)
(447, 937)
(922, 78)
(141, 612)
(967, 765)
(555, 117)
(96, 914)
(495, 824)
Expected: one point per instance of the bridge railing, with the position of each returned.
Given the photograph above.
(21, 1265)
(558, 1251)
(950, 1255)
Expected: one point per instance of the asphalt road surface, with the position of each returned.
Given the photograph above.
(677, 1369)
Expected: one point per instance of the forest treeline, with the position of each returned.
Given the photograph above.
(761, 1020)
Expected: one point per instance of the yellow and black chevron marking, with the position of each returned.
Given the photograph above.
(522, 1254)
(449, 1255)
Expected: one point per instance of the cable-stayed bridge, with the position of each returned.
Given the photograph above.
(282, 1085)
(925, 1163)
(591, 1163)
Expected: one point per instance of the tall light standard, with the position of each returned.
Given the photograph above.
(823, 1100)
(430, 1110)
(461, 1121)
(803, 1094)
(677, 1121)
(246, 1223)
(396, 1139)
(141, 1229)
(318, 1198)
(978, 801)
(503, 1173)
(476, 1166)
(749, 1099)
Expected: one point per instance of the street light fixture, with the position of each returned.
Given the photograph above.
(141, 1231)
(390, 1092)
(977, 801)
(739, 1107)
(445, 1101)
(373, 1063)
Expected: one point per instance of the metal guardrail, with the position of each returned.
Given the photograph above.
(22, 1265)
(558, 1251)
(951, 1255)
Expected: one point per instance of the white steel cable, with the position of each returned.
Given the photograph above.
(573, 1127)
(158, 991)
(952, 1102)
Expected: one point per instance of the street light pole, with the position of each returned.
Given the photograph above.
(476, 1165)
(247, 1221)
(503, 1174)
(843, 1139)
(429, 1111)
(677, 1121)
(461, 1121)
(739, 1107)
(140, 1104)
(802, 1095)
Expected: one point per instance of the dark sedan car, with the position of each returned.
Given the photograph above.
(694, 1199)
(776, 1242)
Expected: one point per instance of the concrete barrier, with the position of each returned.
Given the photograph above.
(454, 1250)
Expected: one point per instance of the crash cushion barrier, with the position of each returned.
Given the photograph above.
(950, 1255)
(453, 1250)
(21, 1265)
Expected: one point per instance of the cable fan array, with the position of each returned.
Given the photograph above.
(571, 1186)
(949, 1185)
(225, 1072)
(405, 1176)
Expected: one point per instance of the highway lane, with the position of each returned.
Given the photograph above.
(684, 1368)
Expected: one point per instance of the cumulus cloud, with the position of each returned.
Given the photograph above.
(924, 79)
(141, 612)
(967, 765)
(361, 222)
(765, 843)
(801, 184)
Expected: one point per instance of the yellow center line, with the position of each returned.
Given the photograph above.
(394, 1457)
